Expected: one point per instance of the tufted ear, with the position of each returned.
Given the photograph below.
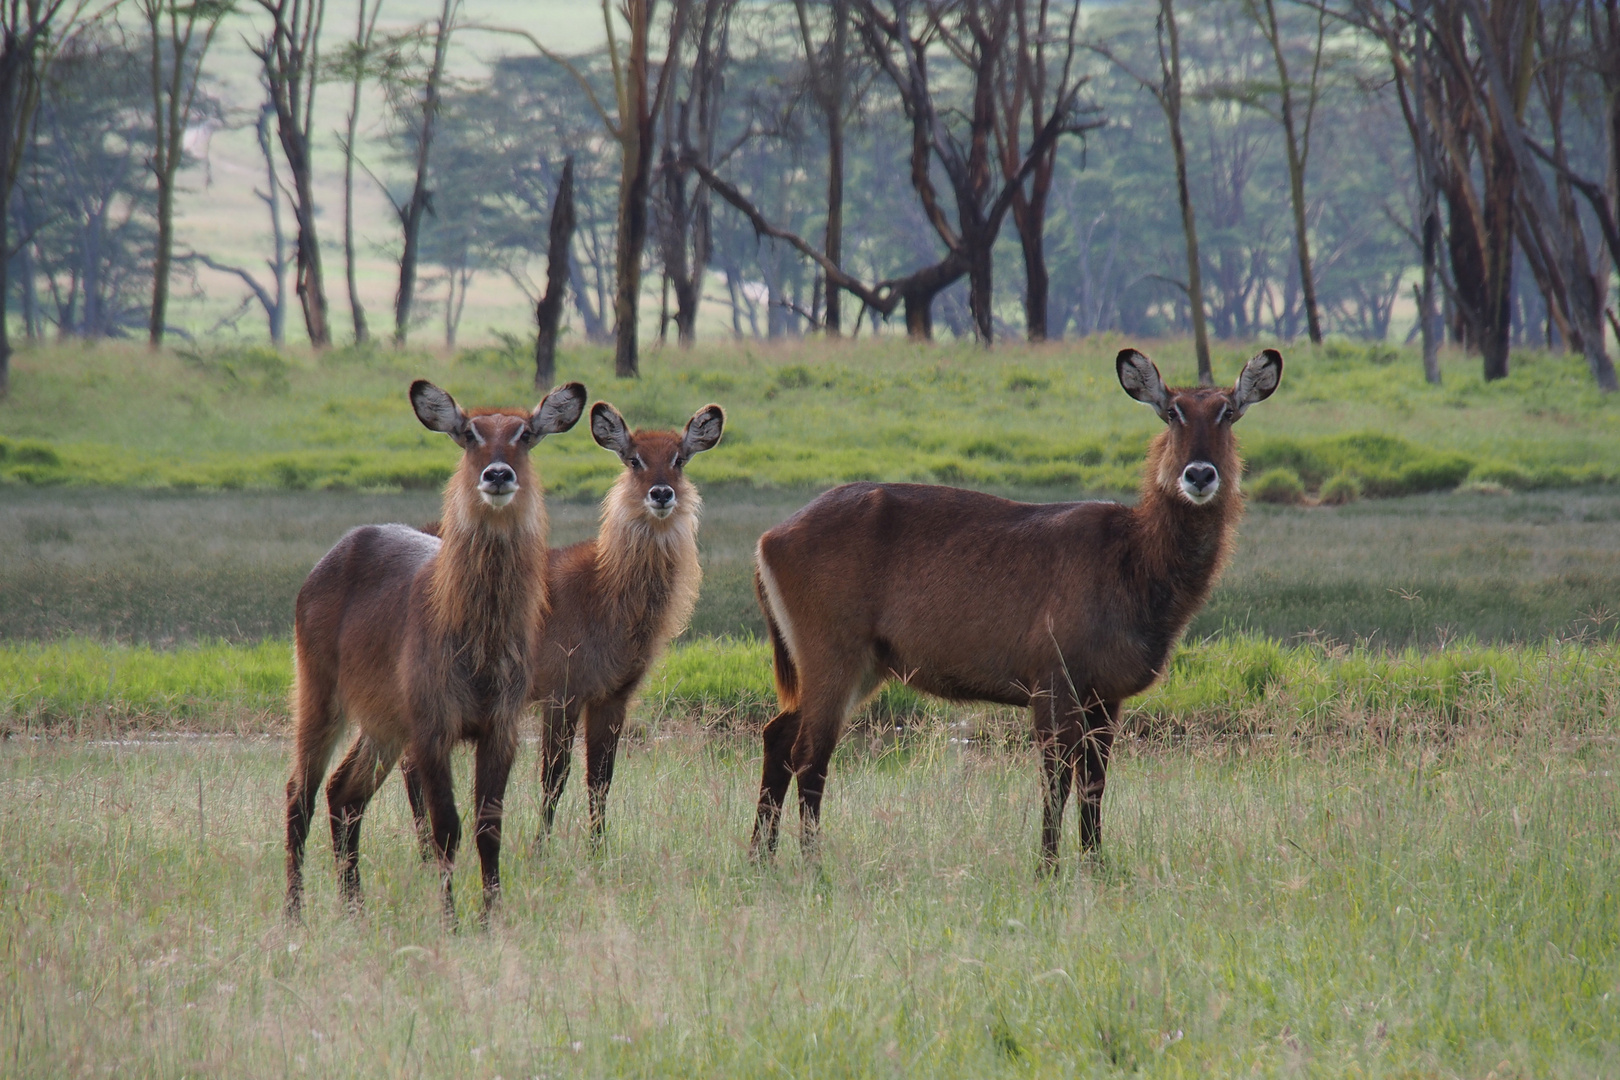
(439, 412)
(1141, 379)
(702, 431)
(609, 431)
(559, 411)
(1257, 381)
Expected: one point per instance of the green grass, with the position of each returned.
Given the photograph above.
(800, 415)
(1425, 910)
(1223, 686)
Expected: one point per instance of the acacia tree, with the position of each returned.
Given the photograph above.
(417, 95)
(1465, 145)
(271, 295)
(29, 31)
(1296, 140)
(179, 35)
(1557, 235)
(549, 308)
(829, 67)
(1037, 69)
(290, 52)
(638, 101)
(355, 64)
(1167, 91)
(976, 33)
(690, 124)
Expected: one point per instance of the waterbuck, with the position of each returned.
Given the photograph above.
(617, 601)
(1068, 608)
(423, 641)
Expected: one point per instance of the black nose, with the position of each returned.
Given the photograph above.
(1200, 476)
(499, 475)
(661, 494)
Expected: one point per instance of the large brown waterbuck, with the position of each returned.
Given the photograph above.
(423, 641)
(1068, 608)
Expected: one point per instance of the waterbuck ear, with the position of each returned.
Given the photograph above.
(559, 411)
(1257, 381)
(607, 428)
(702, 431)
(1140, 378)
(438, 411)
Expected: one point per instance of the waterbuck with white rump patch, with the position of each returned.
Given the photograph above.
(617, 601)
(424, 641)
(1069, 608)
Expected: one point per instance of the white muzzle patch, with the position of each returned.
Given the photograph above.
(1200, 482)
(497, 497)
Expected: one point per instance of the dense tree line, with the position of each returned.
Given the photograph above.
(1224, 168)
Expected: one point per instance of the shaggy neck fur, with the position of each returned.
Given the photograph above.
(1180, 546)
(488, 591)
(648, 567)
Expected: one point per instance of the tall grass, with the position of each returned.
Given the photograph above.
(1431, 910)
(1219, 686)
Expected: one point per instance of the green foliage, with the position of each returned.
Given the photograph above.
(1341, 489)
(805, 416)
(1223, 685)
(1277, 486)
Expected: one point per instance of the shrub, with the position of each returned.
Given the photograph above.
(1278, 486)
(1022, 379)
(1340, 489)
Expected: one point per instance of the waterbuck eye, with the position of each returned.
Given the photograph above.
(1222, 416)
(1181, 417)
(637, 464)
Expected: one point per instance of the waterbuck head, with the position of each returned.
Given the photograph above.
(495, 477)
(653, 485)
(1196, 453)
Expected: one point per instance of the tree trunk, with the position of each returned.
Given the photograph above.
(1297, 154)
(363, 34)
(632, 239)
(548, 313)
(1029, 218)
(310, 286)
(411, 213)
(13, 69)
(834, 242)
(1171, 100)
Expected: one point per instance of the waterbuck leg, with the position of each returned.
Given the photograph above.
(419, 814)
(556, 757)
(492, 767)
(604, 721)
(1102, 721)
(318, 727)
(821, 718)
(779, 737)
(349, 791)
(434, 770)
(1058, 731)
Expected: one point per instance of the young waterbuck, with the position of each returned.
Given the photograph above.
(616, 601)
(423, 641)
(1069, 608)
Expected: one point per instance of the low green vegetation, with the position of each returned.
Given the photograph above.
(1220, 686)
(801, 415)
(1429, 908)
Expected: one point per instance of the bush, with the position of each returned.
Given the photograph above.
(1278, 486)
(1341, 489)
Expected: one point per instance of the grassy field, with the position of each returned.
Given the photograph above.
(1429, 909)
(800, 416)
(1369, 824)
(167, 567)
(1219, 687)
